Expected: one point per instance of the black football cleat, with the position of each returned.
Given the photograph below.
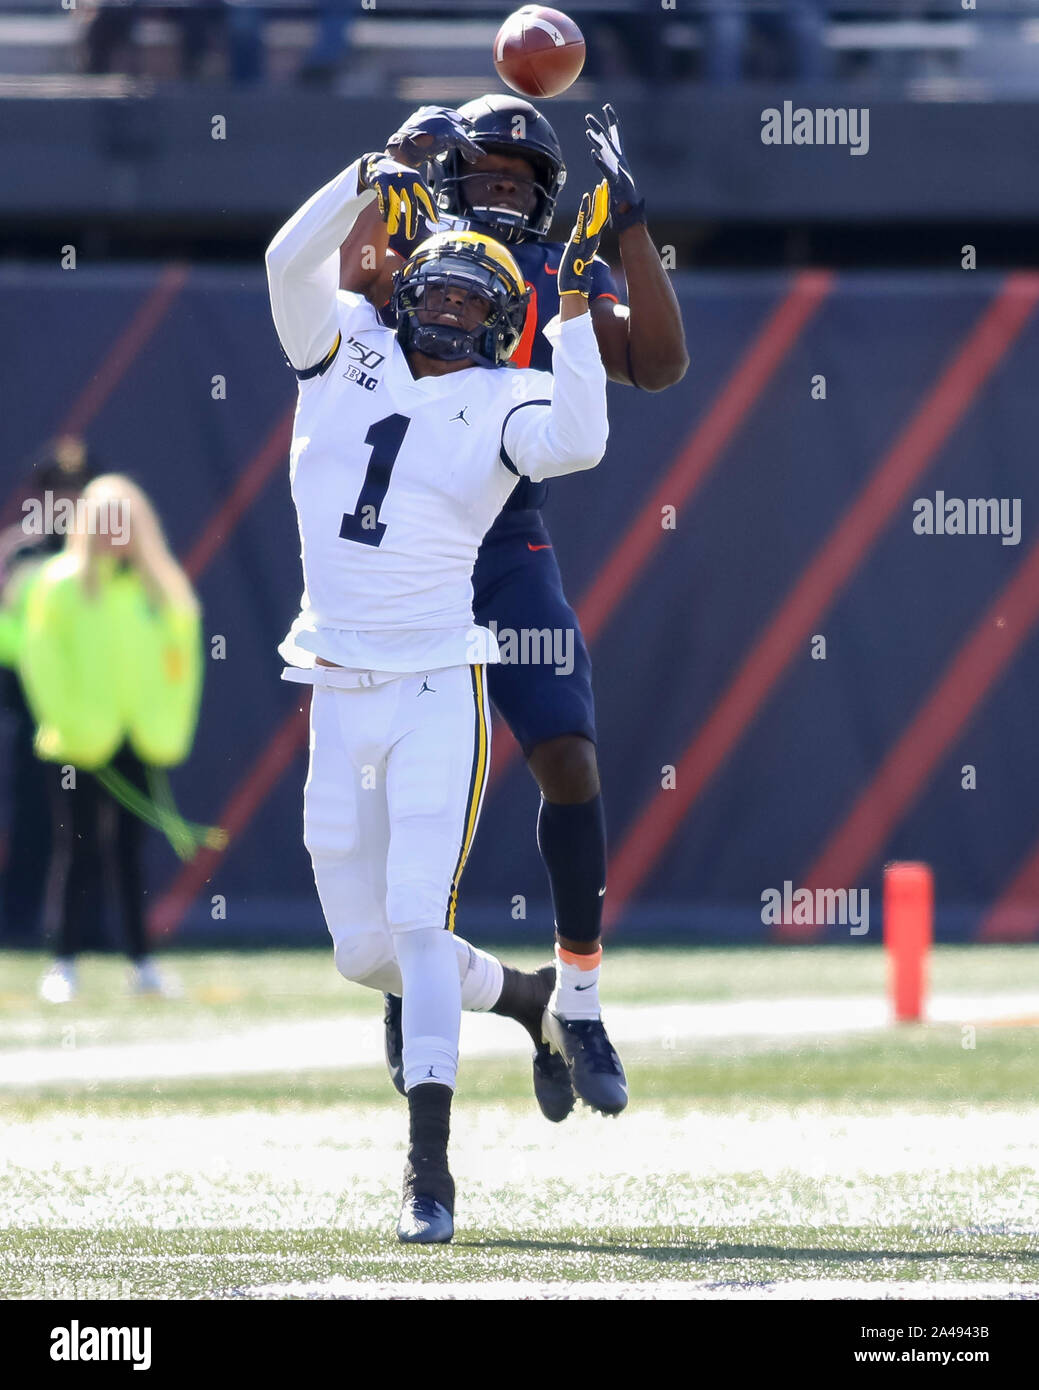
(427, 1212)
(527, 996)
(424, 1221)
(553, 1089)
(524, 997)
(595, 1069)
(393, 1040)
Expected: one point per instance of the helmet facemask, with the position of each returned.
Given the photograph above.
(491, 314)
(475, 194)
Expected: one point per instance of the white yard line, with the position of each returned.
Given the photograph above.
(776, 1178)
(669, 1289)
(332, 1044)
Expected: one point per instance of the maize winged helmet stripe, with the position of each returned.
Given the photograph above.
(492, 249)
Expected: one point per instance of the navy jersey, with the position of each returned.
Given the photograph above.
(539, 261)
(516, 579)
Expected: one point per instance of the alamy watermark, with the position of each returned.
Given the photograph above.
(525, 646)
(78, 1342)
(52, 515)
(821, 907)
(968, 516)
(820, 125)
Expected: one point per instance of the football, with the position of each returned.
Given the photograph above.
(539, 52)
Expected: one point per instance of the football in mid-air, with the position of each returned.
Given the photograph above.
(538, 52)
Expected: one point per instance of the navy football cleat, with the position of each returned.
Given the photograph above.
(393, 1040)
(595, 1069)
(424, 1221)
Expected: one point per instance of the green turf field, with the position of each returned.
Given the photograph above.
(244, 1141)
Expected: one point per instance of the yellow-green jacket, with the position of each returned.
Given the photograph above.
(103, 669)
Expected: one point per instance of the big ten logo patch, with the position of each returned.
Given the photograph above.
(363, 358)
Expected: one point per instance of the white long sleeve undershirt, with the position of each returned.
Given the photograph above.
(543, 441)
(303, 268)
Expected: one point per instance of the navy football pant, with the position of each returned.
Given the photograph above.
(545, 689)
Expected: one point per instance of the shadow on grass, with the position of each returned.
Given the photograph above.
(711, 1254)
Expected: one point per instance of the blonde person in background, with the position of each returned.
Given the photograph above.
(111, 665)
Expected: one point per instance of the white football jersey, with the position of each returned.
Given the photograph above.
(396, 480)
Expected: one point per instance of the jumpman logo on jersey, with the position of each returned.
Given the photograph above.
(426, 686)
(460, 416)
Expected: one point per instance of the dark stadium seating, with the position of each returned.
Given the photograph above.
(276, 38)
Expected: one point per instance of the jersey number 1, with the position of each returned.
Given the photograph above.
(363, 524)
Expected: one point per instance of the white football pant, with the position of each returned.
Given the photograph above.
(398, 768)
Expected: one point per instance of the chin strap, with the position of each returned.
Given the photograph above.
(510, 231)
(421, 340)
(426, 336)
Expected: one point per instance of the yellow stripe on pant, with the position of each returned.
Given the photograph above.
(477, 783)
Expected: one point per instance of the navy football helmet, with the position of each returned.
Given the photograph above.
(504, 125)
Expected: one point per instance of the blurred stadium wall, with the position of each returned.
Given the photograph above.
(794, 518)
(793, 513)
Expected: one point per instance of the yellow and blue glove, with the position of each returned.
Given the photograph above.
(405, 201)
(575, 267)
